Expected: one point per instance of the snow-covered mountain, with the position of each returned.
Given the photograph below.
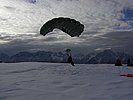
(107, 56)
(39, 56)
(3, 57)
(104, 57)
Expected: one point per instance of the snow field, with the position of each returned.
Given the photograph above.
(59, 81)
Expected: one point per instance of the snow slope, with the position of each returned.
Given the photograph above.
(50, 81)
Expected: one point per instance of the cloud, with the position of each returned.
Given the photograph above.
(106, 25)
(94, 14)
(118, 40)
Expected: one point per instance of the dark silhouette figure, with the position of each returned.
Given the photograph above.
(129, 62)
(0, 61)
(69, 60)
(118, 62)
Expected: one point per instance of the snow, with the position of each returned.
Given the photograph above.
(61, 81)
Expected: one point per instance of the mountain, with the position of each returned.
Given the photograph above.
(124, 56)
(4, 57)
(108, 57)
(39, 56)
(42, 56)
(21, 57)
(85, 58)
(78, 58)
(58, 57)
(104, 57)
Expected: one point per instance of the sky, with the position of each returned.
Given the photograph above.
(108, 25)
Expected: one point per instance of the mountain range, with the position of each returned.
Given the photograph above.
(104, 57)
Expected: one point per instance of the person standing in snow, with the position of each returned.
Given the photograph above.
(69, 59)
(118, 62)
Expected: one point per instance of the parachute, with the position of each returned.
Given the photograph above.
(67, 25)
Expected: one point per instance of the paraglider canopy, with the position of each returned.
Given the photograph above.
(67, 25)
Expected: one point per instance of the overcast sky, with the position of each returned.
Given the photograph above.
(108, 25)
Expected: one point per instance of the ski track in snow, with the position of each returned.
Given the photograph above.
(58, 81)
